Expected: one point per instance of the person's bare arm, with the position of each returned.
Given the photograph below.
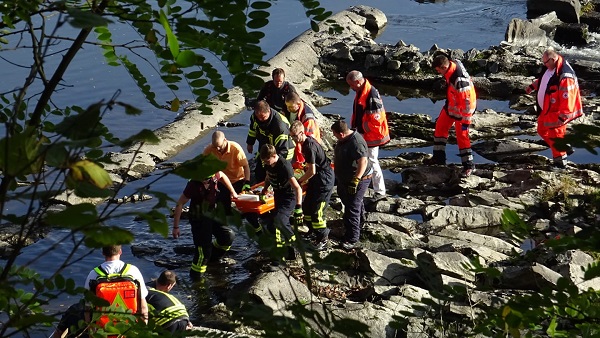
(310, 170)
(225, 180)
(177, 214)
(361, 166)
(144, 310)
(297, 189)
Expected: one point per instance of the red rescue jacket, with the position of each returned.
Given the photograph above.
(461, 100)
(368, 116)
(562, 100)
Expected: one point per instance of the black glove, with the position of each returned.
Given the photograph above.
(298, 215)
(353, 185)
(246, 186)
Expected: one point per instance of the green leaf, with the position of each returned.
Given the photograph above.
(200, 167)
(56, 156)
(175, 105)
(146, 136)
(21, 153)
(257, 23)
(129, 109)
(90, 172)
(171, 38)
(186, 58)
(260, 4)
(314, 25)
(86, 19)
(74, 216)
(100, 236)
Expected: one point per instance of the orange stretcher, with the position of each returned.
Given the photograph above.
(252, 203)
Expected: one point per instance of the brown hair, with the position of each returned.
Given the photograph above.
(277, 72)
(262, 107)
(292, 97)
(167, 277)
(296, 127)
(440, 61)
(340, 126)
(266, 151)
(111, 250)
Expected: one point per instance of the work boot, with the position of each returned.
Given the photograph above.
(570, 150)
(291, 254)
(438, 158)
(322, 239)
(466, 172)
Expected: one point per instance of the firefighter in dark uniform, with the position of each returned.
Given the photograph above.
(318, 180)
(268, 127)
(203, 196)
(287, 195)
(275, 90)
(166, 310)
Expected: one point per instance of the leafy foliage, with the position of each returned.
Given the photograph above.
(193, 46)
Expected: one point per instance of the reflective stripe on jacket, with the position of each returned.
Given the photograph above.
(164, 307)
(562, 100)
(368, 116)
(309, 121)
(275, 130)
(461, 100)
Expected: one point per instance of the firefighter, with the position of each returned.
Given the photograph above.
(318, 180)
(268, 127)
(287, 196)
(275, 90)
(203, 196)
(166, 310)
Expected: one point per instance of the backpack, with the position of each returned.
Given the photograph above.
(122, 291)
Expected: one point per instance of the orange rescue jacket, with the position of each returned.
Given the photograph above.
(562, 100)
(460, 93)
(368, 116)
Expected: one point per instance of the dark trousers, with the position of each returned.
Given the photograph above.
(203, 231)
(278, 221)
(316, 200)
(354, 209)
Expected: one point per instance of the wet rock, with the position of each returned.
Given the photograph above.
(572, 34)
(524, 32)
(499, 150)
(534, 277)
(566, 10)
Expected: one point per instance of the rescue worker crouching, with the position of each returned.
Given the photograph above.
(165, 309)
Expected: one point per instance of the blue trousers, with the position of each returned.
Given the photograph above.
(354, 209)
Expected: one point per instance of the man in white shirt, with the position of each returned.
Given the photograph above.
(113, 265)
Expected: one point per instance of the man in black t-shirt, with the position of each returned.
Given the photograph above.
(318, 179)
(287, 195)
(353, 171)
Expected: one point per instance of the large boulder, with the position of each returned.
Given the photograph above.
(523, 32)
(566, 10)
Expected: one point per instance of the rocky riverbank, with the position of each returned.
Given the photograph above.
(434, 228)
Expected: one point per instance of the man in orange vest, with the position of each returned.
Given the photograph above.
(558, 102)
(369, 119)
(458, 110)
(300, 111)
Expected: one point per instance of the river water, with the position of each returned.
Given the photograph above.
(463, 24)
